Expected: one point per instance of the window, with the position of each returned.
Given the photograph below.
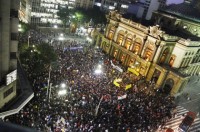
(14, 13)
(8, 92)
(14, 36)
(13, 55)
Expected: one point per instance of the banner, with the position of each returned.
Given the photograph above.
(133, 71)
(122, 97)
(116, 67)
(73, 48)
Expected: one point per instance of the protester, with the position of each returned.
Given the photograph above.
(92, 101)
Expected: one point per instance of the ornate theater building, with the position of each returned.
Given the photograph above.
(150, 52)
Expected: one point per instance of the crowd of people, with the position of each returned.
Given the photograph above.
(92, 102)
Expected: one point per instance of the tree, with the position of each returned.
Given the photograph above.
(64, 14)
(37, 58)
(84, 16)
(24, 27)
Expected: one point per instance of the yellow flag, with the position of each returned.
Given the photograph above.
(128, 86)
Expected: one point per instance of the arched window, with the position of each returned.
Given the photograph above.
(111, 33)
(120, 37)
(115, 53)
(123, 56)
(128, 41)
(172, 59)
(137, 46)
(131, 62)
(149, 52)
(164, 56)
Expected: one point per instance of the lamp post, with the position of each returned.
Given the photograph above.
(49, 85)
(29, 38)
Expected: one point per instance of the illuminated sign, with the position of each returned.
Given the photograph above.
(11, 77)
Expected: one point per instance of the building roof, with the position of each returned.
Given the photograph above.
(186, 10)
(182, 34)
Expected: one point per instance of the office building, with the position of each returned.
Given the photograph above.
(25, 11)
(110, 5)
(44, 12)
(14, 92)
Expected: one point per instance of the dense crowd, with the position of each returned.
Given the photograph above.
(92, 101)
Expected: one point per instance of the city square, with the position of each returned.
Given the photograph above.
(121, 75)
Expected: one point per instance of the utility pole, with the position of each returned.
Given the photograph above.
(29, 38)
(49, 84)
(97, 108)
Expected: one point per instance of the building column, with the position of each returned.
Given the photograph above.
(158, 53)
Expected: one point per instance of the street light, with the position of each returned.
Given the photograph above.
(55, 26)
(98, 70)
(63, 85)
(62, 92)
(29, 38)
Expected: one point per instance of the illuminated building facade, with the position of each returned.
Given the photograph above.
(109, 5)
(84, 3)
(150, 52)
(44, 12)
(184, 22)
(25, 11)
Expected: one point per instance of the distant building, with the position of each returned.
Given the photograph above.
(44, 12)
(25, 11)
(12, 97)
(144, 8)
(109, 5)
(166, 59)
(86, 4)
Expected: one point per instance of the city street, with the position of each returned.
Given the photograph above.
(174, 122)
(189, 98)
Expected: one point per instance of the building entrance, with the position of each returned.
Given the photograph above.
(156, 75)
(168, 86)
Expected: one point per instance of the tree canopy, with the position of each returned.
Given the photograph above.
(37, 57)
(94, 13)
(64, 14)
(81, 15)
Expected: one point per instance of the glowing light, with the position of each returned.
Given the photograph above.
(63, 85)
(55, 26)
(62, 92)
(99, 66)
(98, 71)
(61, 38)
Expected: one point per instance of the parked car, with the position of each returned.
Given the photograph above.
(187, 122)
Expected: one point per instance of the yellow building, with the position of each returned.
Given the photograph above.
(145, 51)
